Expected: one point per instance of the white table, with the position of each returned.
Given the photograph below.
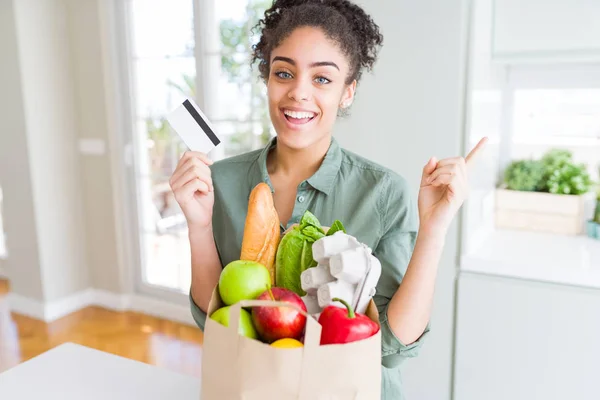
(74, 372)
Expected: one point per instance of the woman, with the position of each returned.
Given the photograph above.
(311, 55)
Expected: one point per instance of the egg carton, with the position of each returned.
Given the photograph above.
(346, 269)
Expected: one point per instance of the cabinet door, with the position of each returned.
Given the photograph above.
(541, 30)
(525, 340)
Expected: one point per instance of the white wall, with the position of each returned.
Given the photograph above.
(15, 176)
(39, 170)
(90, 94)
(48, 95)
(410, 109)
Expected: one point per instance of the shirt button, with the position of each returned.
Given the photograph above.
(301, 199)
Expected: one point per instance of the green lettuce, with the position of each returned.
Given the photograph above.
(336, 226)
(294, 254)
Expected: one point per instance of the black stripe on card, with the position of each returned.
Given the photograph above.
(194, 113)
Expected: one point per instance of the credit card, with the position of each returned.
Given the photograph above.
(193, 127)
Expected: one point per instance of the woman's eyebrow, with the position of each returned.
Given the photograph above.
(324, 64)
(312, 65)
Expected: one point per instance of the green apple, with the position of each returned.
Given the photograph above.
(246, 327)
(243, 280)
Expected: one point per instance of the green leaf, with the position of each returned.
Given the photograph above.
(313, 233)
(555, 157)
(303, 263)
(335, 227)
(566, 177)
(524, 175)
(308, 219)
(288, 260)
(307, 261)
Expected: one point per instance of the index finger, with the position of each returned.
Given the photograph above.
(477, 149)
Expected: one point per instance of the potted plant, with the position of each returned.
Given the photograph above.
(546, 194)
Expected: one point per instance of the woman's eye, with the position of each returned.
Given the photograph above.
(283, 75)
(322, 80)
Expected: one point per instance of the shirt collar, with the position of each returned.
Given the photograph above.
(322, 180)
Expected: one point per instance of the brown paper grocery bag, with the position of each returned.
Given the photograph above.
(235, 367)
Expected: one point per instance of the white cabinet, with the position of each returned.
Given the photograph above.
(546, 30)
(524, 340)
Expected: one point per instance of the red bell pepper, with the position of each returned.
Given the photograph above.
(340, 325)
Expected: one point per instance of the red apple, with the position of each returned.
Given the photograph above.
(273, 323)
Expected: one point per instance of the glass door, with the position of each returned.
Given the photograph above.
(162, 71)
(176, 49)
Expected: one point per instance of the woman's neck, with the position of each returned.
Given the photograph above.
(297, 165)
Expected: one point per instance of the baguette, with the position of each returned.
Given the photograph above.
(261, 230)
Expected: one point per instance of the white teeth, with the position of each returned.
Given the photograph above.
(298, 114)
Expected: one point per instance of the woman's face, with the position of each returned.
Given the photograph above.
(306, 87)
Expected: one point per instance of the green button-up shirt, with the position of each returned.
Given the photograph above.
(374, 204)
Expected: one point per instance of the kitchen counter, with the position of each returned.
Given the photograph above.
(561, 259)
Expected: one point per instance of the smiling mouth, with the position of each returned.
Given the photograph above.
(299, 117)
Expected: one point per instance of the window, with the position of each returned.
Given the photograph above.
(567, 113)
(554, 104)
(554, 107)
(242, 113)
(177, 49)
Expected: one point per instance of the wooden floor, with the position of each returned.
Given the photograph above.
(171, 345)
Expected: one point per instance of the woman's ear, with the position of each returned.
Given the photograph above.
(348, 95)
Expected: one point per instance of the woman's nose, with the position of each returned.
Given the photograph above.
(300, 91)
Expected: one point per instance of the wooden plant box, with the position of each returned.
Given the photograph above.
(535, 211)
